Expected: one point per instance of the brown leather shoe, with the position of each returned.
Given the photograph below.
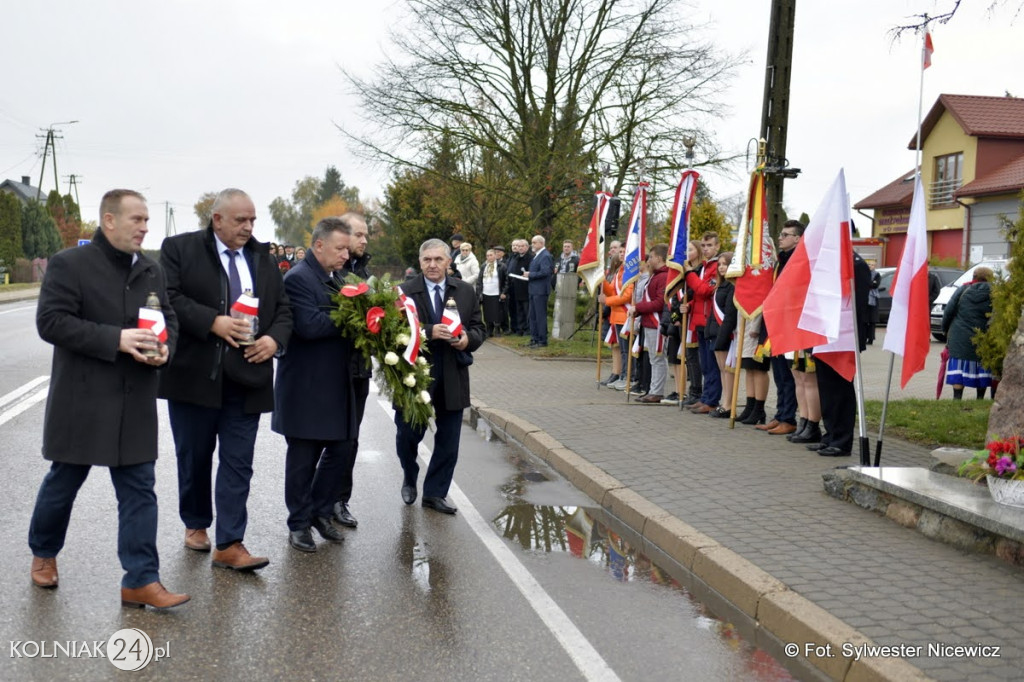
(197, 539)
(237, 558)
(782, 429)
(697, 406)
(703, 409)
(769, 426)
(44, 572)
(153, 594)
(650, 399)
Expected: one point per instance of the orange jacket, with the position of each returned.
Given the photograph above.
(614, 300)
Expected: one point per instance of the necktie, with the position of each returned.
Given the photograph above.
(437, 304)
(234, 281)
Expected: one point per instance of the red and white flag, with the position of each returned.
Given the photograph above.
(153, 320)
(249, 305)
(926, 52)
(591, 265)
(908, 330)
(452, 319)
(811, 304)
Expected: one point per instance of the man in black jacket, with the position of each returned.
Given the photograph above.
(517, 288)
(449, 356)
(216, 387)
(101, 408)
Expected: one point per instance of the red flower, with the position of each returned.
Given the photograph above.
(373, 317)
(353, 290)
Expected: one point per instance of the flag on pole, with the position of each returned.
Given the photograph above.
(753, 264)
(591, 265)
(926, 58)
(153, 320)
(907, 333)
(636, 236)
(812, 303)
(680, 238)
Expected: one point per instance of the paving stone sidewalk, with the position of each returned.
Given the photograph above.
(762, 497)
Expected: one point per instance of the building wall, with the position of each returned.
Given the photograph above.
(947, 137)
(987, 225)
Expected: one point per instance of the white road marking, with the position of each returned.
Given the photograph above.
(17, 310)
(22, 404)
(576, 645)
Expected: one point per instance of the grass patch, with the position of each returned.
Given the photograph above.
(581, 345)
(933, 423)
(19, 286)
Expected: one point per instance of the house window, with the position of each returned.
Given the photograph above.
(949, 170)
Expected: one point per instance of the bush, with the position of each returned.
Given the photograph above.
(1007, 300)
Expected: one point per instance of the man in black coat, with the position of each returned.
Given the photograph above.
(313, 398)
(449, 356)
(358, 264)
(101, 407)
(216, 387)
(517, 289)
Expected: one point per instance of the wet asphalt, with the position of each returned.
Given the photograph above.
(410, 595)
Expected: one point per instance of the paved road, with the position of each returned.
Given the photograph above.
(526, 583)
(763, 498)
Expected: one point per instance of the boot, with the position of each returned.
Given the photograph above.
(810, 434)
(801, 424)
(757, 416)
(748, 409)
(981, 392)
(958, 394)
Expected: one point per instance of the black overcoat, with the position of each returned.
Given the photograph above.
(197, 287)
(440, 352)
(101, 409)
(313, 395)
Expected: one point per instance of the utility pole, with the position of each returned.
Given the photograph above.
(73, 184)
(775, 108)
(169, 228)
(50, 147)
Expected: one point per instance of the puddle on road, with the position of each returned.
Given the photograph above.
(577, 532)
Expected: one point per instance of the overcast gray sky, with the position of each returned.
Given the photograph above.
(180, 97)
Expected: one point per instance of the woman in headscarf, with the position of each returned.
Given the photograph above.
(968, 312)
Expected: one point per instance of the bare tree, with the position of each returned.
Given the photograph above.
(918, 22)
(550, 89)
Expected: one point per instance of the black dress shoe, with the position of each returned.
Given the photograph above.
(327, 530)
(343, 516)
(408, 494)
(302, 540)
(814, 447)
(438, 504)
(833, 452)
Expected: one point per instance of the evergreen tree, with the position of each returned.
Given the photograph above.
(10, 230)
(39, 235)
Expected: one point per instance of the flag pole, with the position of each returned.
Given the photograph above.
(600, 341)
(683, 324)
(917, 177)
(629, 356)
(736, 375)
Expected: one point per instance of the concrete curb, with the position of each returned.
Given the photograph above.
(773, 607)
(19, 296)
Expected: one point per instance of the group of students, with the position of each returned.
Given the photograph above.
(671, 316)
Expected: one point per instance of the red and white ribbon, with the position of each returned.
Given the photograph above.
(247, 304)
(153, 320)
(412, 351)
(612, 337)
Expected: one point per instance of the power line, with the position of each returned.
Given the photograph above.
(50, 147)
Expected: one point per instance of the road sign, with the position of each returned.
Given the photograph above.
(83, 242)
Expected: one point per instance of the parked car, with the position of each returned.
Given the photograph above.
(998, 266)
(944, 275)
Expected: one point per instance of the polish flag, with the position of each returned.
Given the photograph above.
(811, 304)
(452, 319)
(909, 328)
(927, 52)
(153, 320)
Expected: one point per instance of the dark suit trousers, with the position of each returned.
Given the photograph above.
(785, 389)
(712, 393)
(136, 517)
(539, 318)
(445, 455)
(313, 472)
(197, 430)
(838, 407)
(360, 389)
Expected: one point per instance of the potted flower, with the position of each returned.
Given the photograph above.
(1001, 464)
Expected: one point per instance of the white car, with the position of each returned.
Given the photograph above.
(998, 266)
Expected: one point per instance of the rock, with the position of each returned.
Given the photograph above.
(1007, 416)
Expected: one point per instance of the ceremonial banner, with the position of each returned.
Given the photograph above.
(636, 237)
(591, 265)
(753, 263)
(907, 333)
(680, 236)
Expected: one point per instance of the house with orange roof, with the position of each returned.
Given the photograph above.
(972, 170)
